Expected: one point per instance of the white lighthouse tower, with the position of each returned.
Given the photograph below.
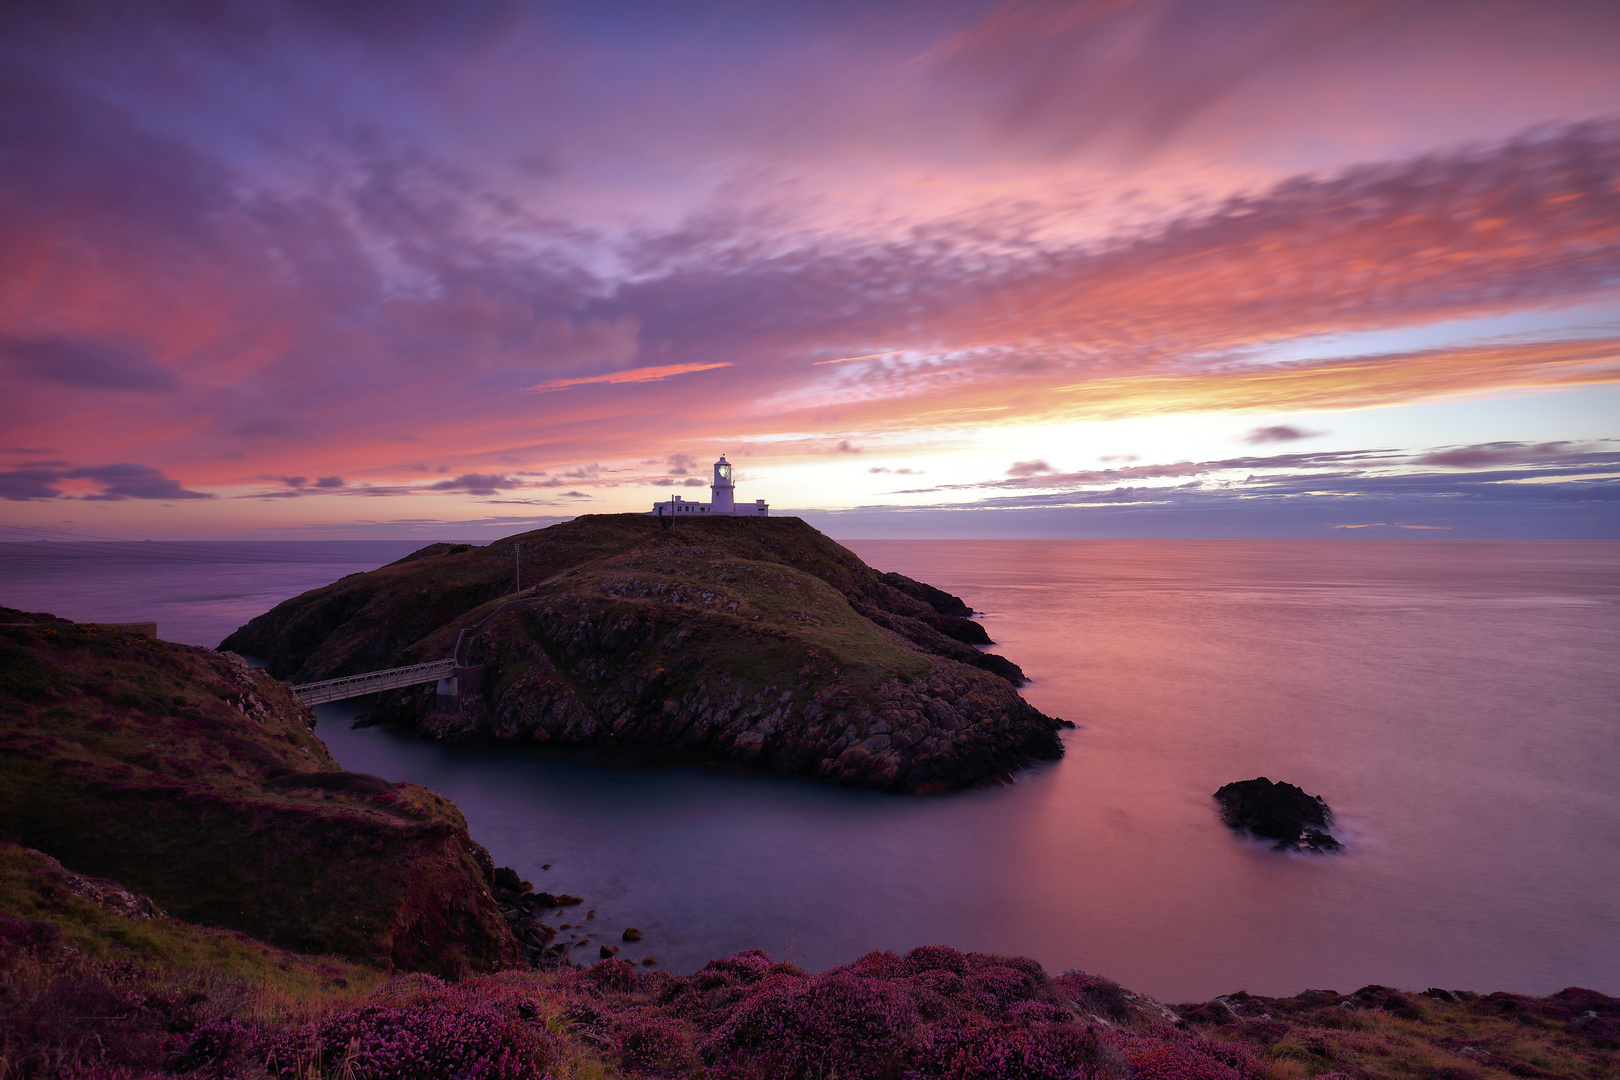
(722, 491)
(724, 502)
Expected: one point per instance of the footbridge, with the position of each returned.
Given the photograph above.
(454, 676)
(372, 681)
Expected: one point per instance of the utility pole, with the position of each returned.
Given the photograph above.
(517, 564)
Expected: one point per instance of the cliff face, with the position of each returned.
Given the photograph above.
(191, 777)
(757, 641)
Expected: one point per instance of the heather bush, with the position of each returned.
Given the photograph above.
(1175, 1055)
(837, 1023)
(1029, 967)
(945, 983)
(933, 958)
(709, 994)
(1039, 1012)
(616, 976)
(82, 1019)
(998, 988)
(472, 1032)
(879, 965)
(656, 1046)
(18, 936)
(1043, 1051)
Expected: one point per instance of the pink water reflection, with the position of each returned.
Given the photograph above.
(1455, 703)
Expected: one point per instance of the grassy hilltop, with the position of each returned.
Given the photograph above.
(759, 641)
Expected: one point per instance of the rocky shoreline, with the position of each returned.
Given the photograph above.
(523, 909)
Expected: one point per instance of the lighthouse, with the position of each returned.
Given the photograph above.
(722, 504)
(721, 500)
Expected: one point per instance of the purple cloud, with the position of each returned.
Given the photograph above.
(1278, 433)
(1488, 455)
(477, 484)
(87, 363)
(117, 482)
(24, 484)
(132, 482)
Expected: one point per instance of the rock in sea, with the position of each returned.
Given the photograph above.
(1278, 811)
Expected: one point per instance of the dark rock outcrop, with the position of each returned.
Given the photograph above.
(197, 780)
(1277, 811)
(760, 642)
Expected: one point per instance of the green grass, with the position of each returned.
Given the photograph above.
(33, 888)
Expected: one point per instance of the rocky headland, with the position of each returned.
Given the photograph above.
(760, 642)
(198, 781)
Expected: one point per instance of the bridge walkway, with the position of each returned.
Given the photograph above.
(372, 681)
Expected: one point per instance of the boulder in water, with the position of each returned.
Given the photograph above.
(1278, 811)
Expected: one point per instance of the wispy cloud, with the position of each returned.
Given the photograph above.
(635, 375)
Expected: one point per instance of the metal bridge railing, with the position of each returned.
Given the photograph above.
(372, 681)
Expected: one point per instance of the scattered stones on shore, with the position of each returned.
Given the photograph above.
(522, 911)
(1278, 811)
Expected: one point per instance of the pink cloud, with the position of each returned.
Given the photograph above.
(636, 375)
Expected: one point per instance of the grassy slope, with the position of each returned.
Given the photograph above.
(376, 619)
(37, 889)
(707, 616)
(200, 782)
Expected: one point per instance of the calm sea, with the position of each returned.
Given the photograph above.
(1458, 705)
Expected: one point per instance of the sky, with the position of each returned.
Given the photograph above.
(1090, 268)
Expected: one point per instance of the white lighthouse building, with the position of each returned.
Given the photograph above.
(722, 501)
